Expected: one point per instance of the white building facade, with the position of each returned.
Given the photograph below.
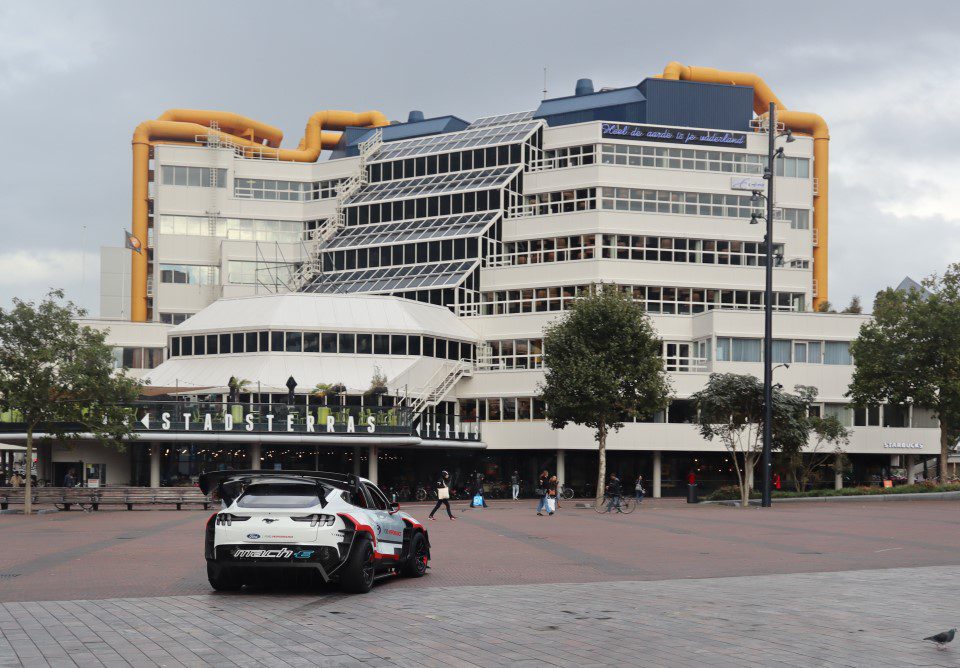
(490, 230)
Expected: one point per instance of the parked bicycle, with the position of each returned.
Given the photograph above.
(567, 492)
(625, 504)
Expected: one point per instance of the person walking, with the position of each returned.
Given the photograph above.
(515, 485)
(478, 492)
(442, 488)
(552, 485)
(614, 491)
(542, 491)
(16, 480)
(638, 488)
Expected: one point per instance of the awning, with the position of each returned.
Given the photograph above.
(14, 448)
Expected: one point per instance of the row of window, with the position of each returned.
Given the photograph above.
(190, 274)
(731, 349)
(511, 354)
(560, 201)
(695, 204)
(634, 247)
(284, 191)
(655, 299)
(320, 342)
(492, 156)
(447, 250)
(200, 177)
(423, 207)
(125, 357)
(701, 160)
(174, 318)
(241, 229)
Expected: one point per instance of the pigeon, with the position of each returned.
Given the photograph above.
(942, 638)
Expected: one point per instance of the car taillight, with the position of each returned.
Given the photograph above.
(227, 519)
(316, 520)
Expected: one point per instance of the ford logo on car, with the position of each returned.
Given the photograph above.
(253, 536)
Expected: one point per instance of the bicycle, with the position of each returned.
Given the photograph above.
(567, 492)
(627, 504)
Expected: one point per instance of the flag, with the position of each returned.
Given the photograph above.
(131, 242)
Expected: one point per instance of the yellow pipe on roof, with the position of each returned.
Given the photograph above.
(185, 126)
(798, 121)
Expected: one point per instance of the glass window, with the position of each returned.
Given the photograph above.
(398, 344)
(277, 341)
(781, 352)
(837, 352)
(413, 345)
(328, 343)
(238, 340)
(381, 344)
(294, 342)
(428, 346)
(211, 344)
(186, 345)
(347, 343)
(364, 344)
(264, 338)
(224, 344)
(311, 342)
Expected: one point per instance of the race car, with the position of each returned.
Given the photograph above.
(329, 527)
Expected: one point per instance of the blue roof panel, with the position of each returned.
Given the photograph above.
(603, 99)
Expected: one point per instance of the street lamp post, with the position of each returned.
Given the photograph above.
(772, 154)
(768, 312)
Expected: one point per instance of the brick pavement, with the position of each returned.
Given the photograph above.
(852, 618)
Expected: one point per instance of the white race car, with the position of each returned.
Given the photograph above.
(326, 526)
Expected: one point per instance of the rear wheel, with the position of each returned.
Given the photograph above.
(416, 564)
(221, 579)
(568, 492)
(358, 572)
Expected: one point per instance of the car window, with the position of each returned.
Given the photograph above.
(379, 500)
(356, 498)
(279, 495)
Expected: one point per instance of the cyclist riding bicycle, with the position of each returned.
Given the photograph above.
(614, 491)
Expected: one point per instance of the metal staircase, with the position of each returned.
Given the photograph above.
(440, 385)
(346, 189)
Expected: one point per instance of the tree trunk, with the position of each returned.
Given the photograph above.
(747, 483)
(944, 452)
(602, 465)
(27, 469)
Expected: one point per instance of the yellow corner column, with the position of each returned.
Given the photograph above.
(138, 261)
(821, 228)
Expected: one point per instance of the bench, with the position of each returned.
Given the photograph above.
(64, 498)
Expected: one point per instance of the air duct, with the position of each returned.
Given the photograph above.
(188, 126)
(415, 116)
(798, 121)
(584, 87)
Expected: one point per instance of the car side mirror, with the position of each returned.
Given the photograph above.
(394, 507)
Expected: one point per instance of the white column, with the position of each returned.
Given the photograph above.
(356, 461)
(254, 453)
(561, 467)
(909, 467)
(838, 473)
(656, 474)
(372, 464)
(155, 465)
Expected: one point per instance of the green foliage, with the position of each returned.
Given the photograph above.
(910, 353)
(731, 409)
(55, 371)
(816, 443)
(825, 307)
(378, 383)
(328, 389)
(732, 492)
(854, 306)
(603, 366)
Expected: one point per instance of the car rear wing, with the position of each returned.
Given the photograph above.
(229, 484)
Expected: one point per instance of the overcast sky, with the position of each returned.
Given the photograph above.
(76, 78)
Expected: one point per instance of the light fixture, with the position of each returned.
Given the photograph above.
(754, 218)
(789, 135)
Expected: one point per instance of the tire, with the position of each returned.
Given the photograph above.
(628, 504)
(568, 493)
(358, 572)
(421, 494)
(601, 505)
(221, 579)
(416, 564)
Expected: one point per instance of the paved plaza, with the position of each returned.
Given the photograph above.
(845, 584)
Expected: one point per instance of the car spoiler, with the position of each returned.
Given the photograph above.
(228, 483)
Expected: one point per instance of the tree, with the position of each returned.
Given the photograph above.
(825, 307)
(854, 306)
(821, 441)
(730, 408)
(603, 366)
(59, 376)
(910, 353)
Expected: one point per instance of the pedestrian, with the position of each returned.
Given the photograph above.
(691, 478)
(16, 480)
(638, 488)
(442, 488)
(614, 491)
(542, 491)
(478, 493)
(515, 484)
(552, 484)
(70, 480)
(776, 481)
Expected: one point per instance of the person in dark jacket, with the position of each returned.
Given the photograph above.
(542, 491)
(638, 488)
(70, 480)
(442, 488)
(614, 491)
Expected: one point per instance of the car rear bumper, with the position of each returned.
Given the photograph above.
(255, 557)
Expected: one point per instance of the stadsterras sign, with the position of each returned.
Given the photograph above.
(667, 135)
